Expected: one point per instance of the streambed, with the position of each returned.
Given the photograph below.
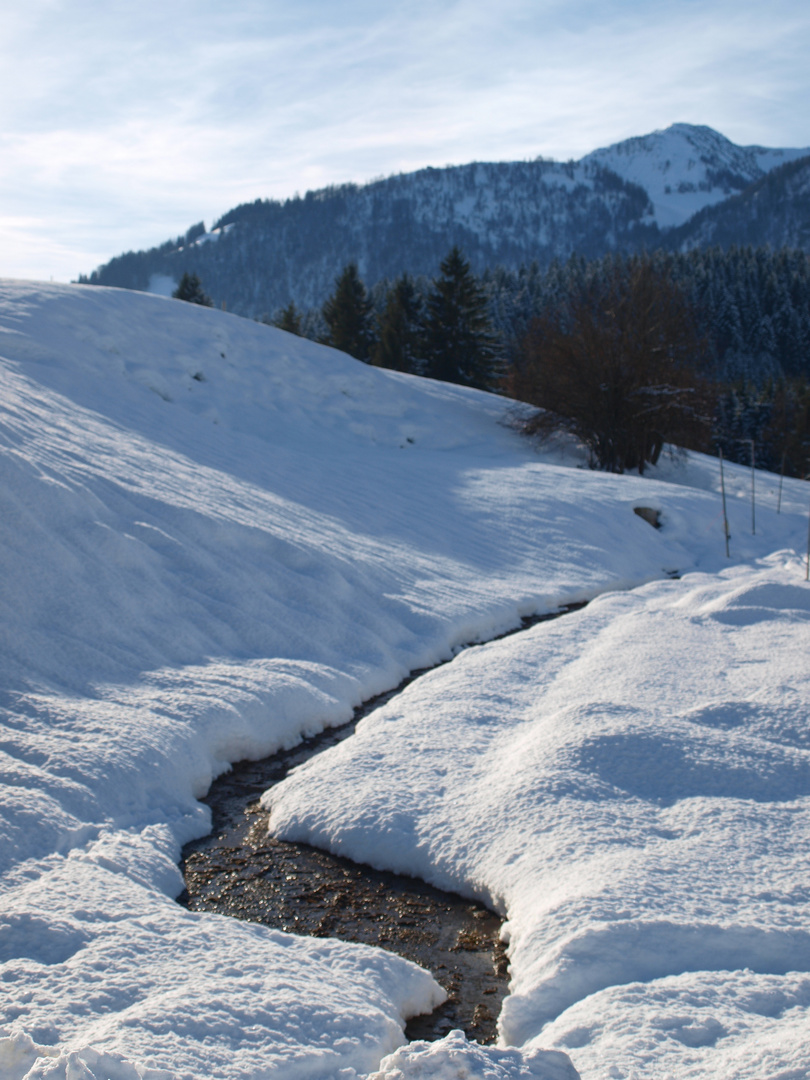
(240, 870)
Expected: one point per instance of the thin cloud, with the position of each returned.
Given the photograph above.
(124, 124)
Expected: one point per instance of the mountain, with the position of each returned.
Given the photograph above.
(688, 168)
(774, 211)
(263, 254)
(626, 197)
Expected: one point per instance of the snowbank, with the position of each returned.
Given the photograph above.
(216, 538)
(631, 785)
(453, 1057)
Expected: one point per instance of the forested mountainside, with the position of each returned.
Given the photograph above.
(625, 198)
(775, 210)
(732, 327)
(265, 254)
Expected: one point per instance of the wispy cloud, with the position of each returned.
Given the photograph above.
(122, 123)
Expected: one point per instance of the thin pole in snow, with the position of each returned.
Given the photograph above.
(723, 490)
(753, 498)
(807, 568)
(781, 478)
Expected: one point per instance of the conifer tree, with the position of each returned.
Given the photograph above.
(347, 313)
(460, 343)
(400, 337)
(190, 289)
(289, 319)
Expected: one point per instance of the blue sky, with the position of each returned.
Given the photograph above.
(123, 124)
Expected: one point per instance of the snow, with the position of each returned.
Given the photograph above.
(215, 234)
(688, 167)
(161, 285)
(629, 784)
(216, 538)
(453, 1057)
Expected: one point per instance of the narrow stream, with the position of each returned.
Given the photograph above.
(240, 870)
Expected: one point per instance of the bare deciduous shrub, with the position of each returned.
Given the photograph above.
(616, 365)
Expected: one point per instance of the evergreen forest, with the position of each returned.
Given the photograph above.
(709, 348)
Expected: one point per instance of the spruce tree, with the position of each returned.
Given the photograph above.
(347, 313)
(190, 289)
(460, 343)
(289, 319)
(400, 336)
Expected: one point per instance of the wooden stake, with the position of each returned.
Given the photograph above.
(753, 497)
(781, 478)
(723, 490)
(807, 569)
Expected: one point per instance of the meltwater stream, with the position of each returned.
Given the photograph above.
(240, 870)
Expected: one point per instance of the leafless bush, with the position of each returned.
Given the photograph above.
(617, 365)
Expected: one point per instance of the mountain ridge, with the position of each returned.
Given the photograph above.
(260, 255)
(774, 210)
(689, 167)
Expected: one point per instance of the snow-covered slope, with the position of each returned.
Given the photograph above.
(688, 167)
(215, 538)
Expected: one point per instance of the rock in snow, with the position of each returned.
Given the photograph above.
(216, 538)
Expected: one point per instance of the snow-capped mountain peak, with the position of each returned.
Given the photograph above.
(687, 167)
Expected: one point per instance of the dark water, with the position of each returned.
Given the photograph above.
(239, 870)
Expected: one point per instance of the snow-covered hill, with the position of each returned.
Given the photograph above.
(623, 198)
(216, 538)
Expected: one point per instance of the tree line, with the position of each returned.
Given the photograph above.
(441, 330)
(707, 349)
(753, 304)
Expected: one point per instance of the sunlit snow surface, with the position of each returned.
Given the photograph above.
(630, 786)
(216, 538)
